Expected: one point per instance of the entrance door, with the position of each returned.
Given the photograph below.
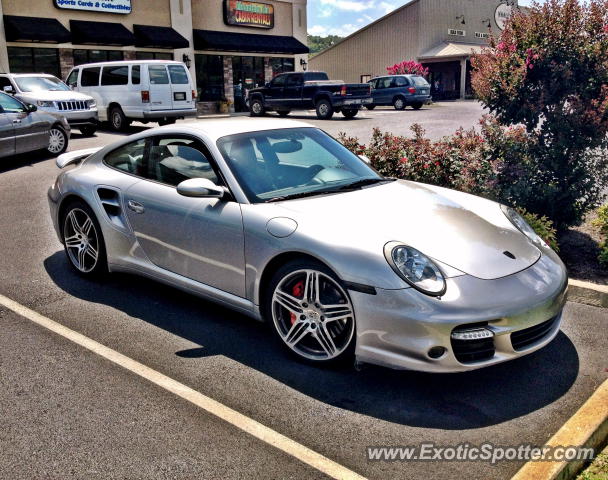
(248, 73)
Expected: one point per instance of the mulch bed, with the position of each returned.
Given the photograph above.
(579, 250)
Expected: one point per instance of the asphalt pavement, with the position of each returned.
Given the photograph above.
(68, 413)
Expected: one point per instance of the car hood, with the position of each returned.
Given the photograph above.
(53, 96)
(465, 232)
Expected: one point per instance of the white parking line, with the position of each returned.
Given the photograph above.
(246, 424)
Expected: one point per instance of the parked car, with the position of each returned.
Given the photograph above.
(148, 90)
(24, 128)
(279, 221)
(306, 90)
(400, 91)
(51, 95)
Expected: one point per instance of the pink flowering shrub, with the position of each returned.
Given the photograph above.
(408, 67)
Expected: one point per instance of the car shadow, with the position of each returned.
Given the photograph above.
(24, 160)
(473, 399)
(338, 117)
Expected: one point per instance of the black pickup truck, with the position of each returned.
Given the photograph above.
(306, 90)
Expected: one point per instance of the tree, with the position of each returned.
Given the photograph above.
(317, 44)
(407, 67)
(548, 71)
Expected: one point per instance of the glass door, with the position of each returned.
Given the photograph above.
(248, 73)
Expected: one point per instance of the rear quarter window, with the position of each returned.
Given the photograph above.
(136, 74)
(90, 77)
(115, 75)
(420, 81)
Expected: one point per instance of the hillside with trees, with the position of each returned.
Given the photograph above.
(317, 43)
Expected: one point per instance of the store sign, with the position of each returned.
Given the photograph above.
(502, 14)
(107, 6)
(248, 14)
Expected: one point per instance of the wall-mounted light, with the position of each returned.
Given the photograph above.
(186, 60)
(303, 64)
(461, 18)
(487, 22)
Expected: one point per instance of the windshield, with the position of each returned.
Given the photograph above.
(420, 81)
(40, 84)
(293, 162)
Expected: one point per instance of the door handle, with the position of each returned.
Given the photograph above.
(16, 120)
(135, 206)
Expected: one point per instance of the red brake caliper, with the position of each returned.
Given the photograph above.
(297, 291)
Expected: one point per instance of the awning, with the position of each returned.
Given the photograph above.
(451, 49)
(158, 37)
(35, 29)
(246, 42)
(100, 33)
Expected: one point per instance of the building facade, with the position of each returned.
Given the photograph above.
(229, 46)
(441, 34)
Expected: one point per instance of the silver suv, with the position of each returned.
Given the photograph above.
(50, 94)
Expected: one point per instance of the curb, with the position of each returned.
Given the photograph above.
(588, 428)
(588, 293)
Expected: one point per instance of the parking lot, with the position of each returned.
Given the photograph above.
(70, 413)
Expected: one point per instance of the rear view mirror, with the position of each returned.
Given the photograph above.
(200, 188)
(288, 146)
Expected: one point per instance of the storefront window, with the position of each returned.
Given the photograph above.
(210, 77)
(34, 60)
(248, 73)
(153, 56)
(281, 65)
(91, 56)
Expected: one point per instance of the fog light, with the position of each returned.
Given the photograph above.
(436, 352)
(472, 334)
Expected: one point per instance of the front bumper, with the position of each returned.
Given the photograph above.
(397, 328)
(188, 112)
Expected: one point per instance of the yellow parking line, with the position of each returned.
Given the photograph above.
(240, 421)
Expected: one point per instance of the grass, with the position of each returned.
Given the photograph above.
(598, 470)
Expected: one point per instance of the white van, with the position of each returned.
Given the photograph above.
(148, 90)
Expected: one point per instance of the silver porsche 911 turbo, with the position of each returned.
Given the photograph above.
(276, 219)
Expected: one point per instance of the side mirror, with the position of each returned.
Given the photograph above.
(200, 188)
(267, 84)
(30, 108)
(8, 89)
(365, 159)
(72, 86)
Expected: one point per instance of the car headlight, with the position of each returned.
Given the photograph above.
(415, 268)
(91, 103)
(520, 223)
(45, 103)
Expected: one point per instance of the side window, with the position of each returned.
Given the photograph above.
(401, 82)
(158, 75)
(129, 158)
(135, 74)
(173, 160)
(10, 105)
(90, 77)
(72, 79)
(115, 75)
(178, 75)
(5, 82)
(279, 81)
(380, 83)
(293, 80)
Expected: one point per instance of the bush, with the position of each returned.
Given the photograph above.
(407, 67)
(602, 223)
(548, 72)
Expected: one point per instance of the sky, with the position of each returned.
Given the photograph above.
(343, 17)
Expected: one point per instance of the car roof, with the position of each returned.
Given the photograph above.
(130, 62)
(46, 75)
(217, 128)
(399, 75)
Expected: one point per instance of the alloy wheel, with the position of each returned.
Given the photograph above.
(256, 106)
(313, 315)
(57, 141)
(81, 240)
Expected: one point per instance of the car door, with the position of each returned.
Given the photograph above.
(7, 136)
(381, 92)
(31, 130)
(181, 90)
(198, 238)
(160, 88)
(274, 92)
(292, 93)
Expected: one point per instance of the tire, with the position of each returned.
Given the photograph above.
(370, 107)
(118, 121)
(325, 109)
(350, 112)
(283, 113)
(88, 130)
(417, 105)
(168, 121)
(256, 107)
(399, 103)
(58, 141)
(308, 330)
(83, 240)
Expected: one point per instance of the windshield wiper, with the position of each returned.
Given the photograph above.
(300, 195)
(363, 183)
